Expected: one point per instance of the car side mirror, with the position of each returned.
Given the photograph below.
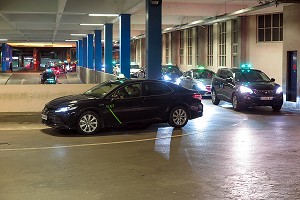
(272, 79)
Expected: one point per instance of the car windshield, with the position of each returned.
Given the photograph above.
(134, 66)
(171, 70)
(251, 76)
(102, 89)
(203, 74)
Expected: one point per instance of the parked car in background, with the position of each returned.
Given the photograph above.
(171, 73)
(56, 69)
(48, 77)
(134, 70)
(197, 79)
(123, 102)
(246, 87)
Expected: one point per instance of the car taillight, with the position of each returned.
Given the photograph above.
(197, 96)
(208, 88)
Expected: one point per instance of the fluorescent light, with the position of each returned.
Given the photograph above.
(91, 24)
(103, 15)
(3, 40)
(78, 34)
(71, 40)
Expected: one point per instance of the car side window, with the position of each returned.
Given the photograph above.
(128, 91)
(152, 88)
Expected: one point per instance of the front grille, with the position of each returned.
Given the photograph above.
(264, 92)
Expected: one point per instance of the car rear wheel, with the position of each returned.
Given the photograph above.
(88, 123)
(235, 103)
(276, 107)
(178, 117)
(214, 99)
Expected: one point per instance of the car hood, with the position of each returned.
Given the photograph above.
(262, 85)
(134, 70)
(69, 100)
(205, 81)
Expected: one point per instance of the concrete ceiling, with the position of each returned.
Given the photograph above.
(52, 21)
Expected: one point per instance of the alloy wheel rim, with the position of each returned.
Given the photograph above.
(88, 123)
(213, 97)
(234, 102)
(179, 117)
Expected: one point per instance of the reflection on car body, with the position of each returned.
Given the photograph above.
(197, 79)
(122, 102)
(246, 87)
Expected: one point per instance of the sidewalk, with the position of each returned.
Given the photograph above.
(20, 121)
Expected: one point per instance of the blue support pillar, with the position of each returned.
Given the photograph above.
(80, 53)
(90, 51)
(98, 50)
(153, 40)
(125, 44)
(108, 48)
(4, 57)
(84, 52)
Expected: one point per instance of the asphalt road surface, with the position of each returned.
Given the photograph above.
(223, 155)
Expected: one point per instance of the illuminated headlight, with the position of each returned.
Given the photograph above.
(279, 90)
(177, 81)
(167, 78)
(244, 89)
(201, 86)
(65, 109)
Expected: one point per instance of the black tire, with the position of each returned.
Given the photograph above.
(88, 123)
(276, 107)
(235, 103)
(178, 117)
(214, 99)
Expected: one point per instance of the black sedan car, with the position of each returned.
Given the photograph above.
(48, 77)
(246, 87)
(123, 102)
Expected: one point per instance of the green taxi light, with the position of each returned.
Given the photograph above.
(200, 67)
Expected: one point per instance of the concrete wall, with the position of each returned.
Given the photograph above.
(32, 98)
(89, 76)
(266, 56)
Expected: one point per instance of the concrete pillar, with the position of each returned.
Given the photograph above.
(153, 40)
(98, 50)
(125, 44)
(108, 48)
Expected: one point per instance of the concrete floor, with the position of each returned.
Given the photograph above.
(223, 155)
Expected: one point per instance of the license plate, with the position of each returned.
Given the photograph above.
(266, 98)
(44, 117)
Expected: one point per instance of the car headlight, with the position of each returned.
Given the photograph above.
(65, 109)
(244, 89)
(279, 90)
(201, 86)
(167, 78)
(177, 82)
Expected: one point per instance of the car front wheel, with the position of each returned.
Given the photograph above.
(214, 99)
(235, 103)
(276, 107)
(178, 117)
(88, 123)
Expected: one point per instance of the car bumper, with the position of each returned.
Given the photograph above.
(249, 100)
(196, 111)
(58, 120)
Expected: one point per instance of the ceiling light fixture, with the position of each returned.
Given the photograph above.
(91, 24)
(103, 15)
(78, 34)
(71, 40)
(3, 40)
